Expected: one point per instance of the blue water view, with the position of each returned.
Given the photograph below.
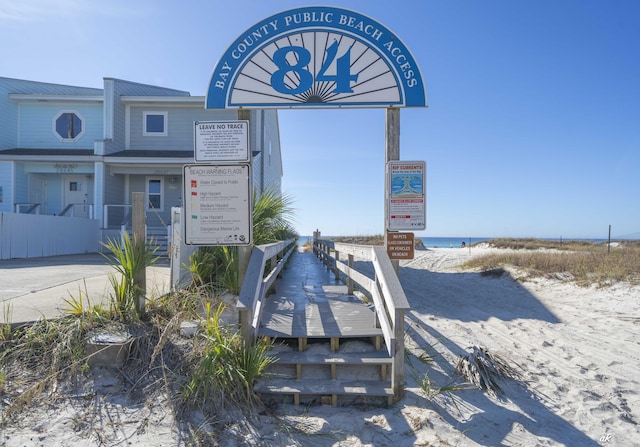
(430, 242)
(453, 242)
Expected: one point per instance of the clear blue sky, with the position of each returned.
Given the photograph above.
(532, 130)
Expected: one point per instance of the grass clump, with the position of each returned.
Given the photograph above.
(431, 390)
(585, 263)
(537, 244)
(225, 366)
(39, 356)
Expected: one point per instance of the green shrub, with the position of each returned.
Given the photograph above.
(226, 367)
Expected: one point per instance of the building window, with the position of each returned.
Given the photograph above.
(154, 124)
(155, 197)
(68, 125)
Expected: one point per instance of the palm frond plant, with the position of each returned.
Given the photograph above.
(485, 369)
(272, 215)
(218, 266)
(130, 258)
(231, 268)
(205, 266)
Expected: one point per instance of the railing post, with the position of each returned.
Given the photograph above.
(244, 255)
(397, 373)
(244, 321)
(335, 269)
(273, 261)
(139, 238)
(350, 280)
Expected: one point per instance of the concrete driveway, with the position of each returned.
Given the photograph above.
(34, 288)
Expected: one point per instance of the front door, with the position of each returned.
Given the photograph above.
(76, 194)
(38, 192)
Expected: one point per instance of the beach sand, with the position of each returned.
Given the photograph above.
(577, 350)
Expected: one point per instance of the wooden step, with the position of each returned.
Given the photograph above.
(334, 342)
(319, 331)
(333, 358)
(333, 388)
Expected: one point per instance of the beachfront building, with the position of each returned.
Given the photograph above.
(76, 152)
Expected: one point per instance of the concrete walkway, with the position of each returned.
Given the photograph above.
(31, 289)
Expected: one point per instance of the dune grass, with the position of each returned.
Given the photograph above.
(583, 262)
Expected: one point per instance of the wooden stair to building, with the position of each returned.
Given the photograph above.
(158, 237)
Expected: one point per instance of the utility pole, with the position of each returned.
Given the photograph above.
(392, 153)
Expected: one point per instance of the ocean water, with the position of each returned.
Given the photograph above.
(431, 242)
(456, 242)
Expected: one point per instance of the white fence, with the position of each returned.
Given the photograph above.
(33, 236)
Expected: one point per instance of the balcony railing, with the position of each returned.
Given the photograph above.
(114, 216)
(78, 210)
(27, 208)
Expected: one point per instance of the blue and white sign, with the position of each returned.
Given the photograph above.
(406, 198)
(316, 57)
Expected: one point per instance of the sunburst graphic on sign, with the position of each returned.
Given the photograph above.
(315, 68)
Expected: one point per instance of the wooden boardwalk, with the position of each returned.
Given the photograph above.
(310, 303)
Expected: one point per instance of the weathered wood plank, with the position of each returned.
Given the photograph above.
(350, 358)
(325, 318)
(339, 387)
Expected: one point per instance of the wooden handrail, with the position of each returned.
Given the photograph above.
(260, 277)
(388, 297)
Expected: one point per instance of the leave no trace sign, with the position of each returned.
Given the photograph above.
(221, 141)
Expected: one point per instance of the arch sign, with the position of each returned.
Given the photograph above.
(316, 57)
